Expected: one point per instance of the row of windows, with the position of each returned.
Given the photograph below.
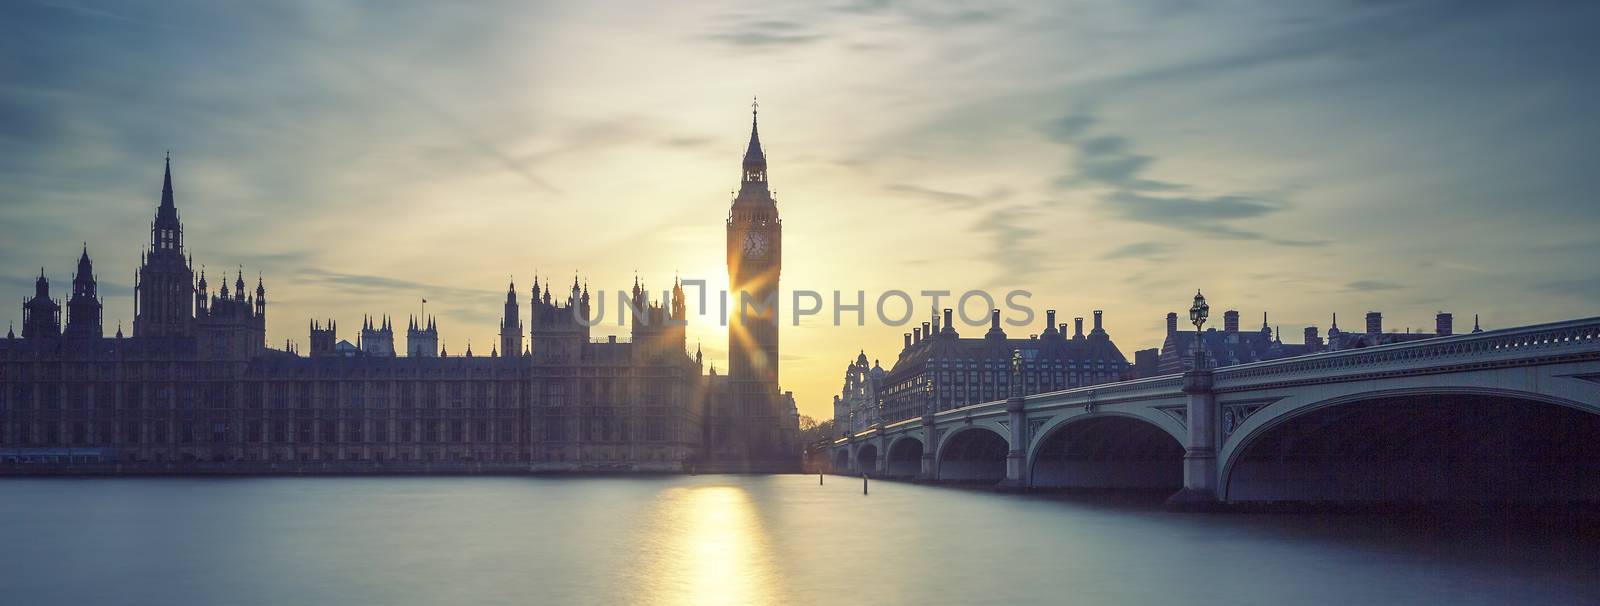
(54, 396)
(318, 432)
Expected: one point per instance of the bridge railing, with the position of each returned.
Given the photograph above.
(1556, 338)
(1489, 346)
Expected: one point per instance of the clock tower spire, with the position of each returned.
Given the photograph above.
(755, 246)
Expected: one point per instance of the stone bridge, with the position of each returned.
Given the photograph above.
(1500, 415)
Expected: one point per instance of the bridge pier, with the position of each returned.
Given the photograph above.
(929, 447)
(1200, 455)
(1016, 456)
(882, 462)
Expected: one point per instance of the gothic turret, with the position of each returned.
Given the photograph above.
(165, 296)
(41, 315)
(422, 338)
(84, 308)
(377, 337)
(511, 323)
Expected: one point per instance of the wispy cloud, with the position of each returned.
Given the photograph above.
(1372, 285)
(1011, 232)
(950, 198)
(1108, 162)
(1141, 250)
(396, 288)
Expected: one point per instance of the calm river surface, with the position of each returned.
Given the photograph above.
(735, 540)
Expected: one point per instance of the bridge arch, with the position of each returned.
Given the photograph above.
(1107, 450)
(1417, 445)
(841, 459)
(972, 454)
(904, 459)
(866, 458)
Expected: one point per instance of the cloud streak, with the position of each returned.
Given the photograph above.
(1107, 162)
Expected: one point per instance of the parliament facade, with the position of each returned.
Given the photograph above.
(195, 388)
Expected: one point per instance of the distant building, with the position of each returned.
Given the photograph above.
(1231, 346)
(963, 371)
(856, 408)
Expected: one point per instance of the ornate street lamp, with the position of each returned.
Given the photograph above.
(1197, 315)
(927, 397)
(1016, 372)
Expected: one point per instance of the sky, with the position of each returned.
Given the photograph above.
(1295, 158)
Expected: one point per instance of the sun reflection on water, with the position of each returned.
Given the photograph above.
(706, 546)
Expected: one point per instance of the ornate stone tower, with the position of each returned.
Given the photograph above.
(751, 420)
(755, 258)
(164, 303)
(422, 338)
(511, 325)
(41, 315)
(377, 339)
(83, 309)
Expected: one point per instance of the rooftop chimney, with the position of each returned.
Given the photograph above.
(1078, 323)
(1172, 322)
(994, 319)
(1374, 323)
(908, 341)
(949, 323)
(1049, 318)
(1230, 321)
(916, 334)
(927, 332)
(1444, 324)
(1098, 327)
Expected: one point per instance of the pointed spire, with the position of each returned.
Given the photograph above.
(1475, 327)
(755, 160)
(166, 184)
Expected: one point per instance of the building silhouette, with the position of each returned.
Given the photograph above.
(197, 388)
(753, 426)
(1231, 345)
(938, 369)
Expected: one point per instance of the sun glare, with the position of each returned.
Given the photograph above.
(708, 547)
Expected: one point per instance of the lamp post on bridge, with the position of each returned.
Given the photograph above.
(880, 431)
(1197, 315)
(929, 409)
(1016, 421)
(1200, 453)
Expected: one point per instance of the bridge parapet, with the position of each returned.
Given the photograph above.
(1528, 345)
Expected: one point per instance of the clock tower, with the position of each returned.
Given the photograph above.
(755, 257)
(753, 425)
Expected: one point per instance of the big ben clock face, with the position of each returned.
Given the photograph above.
(755, 244)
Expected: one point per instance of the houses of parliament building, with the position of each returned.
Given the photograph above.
(195, 388)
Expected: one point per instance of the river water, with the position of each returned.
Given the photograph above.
(738, 540)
